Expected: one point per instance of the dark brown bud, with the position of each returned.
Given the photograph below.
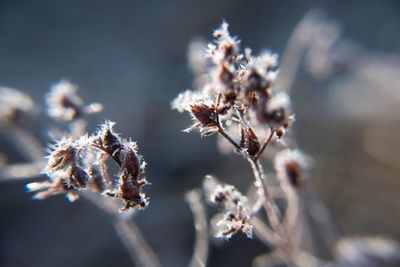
(78, 177)
(293, 172)
(280, 132)
(220, 197)
(62, 158)
(131, 164)
(111, 143)
(276, 116)
(68, 103)
(204, 114)
(249, 141)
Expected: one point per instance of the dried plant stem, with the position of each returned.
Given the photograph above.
(29, 146)
(264, 233)
(256, 157)
(297, 44)
(20, 171)
(227, 137)
(292, 209)
(269, 206)
(139, 251)
(200, 253)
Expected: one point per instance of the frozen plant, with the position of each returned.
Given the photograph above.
(69, 173)
(236, 99)
(76, 164)
(243, 99)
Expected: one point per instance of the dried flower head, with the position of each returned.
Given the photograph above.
(235, 212)
(75, 165)
(130, 181)
(63, 103)
(291, 167)
(234, 80)
(15, 106)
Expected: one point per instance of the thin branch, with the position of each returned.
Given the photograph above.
(297, 44)
(269, 206)
(271, 134)
(137, 247)
(139, 251)
(227, 137)
(29, 146)
(21, 171)
(264, 233)
(200, 253)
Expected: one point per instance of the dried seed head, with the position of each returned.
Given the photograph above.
(110, 141)
(232, 223)
(78, 177)
(63, 154)
(204, 117)
(130, 183)
(75, 165)
(249, 141)
(291, 167)
(63, 103)
(226, 46)
(15, 106)
(204, 114)
(277, 111)
(236, 213)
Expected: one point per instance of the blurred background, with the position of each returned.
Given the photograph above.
(132, 57)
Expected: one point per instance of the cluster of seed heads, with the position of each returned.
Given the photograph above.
(70, 171)
(235, 214)
(236, 92)
(75, 165)
(235, 97)
(78, 161)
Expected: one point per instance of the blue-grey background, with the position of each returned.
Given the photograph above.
(131, 56)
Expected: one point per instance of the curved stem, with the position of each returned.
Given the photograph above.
(139, 250)
(269, 205)
(256, 157)
(200, 253)
(227, 137)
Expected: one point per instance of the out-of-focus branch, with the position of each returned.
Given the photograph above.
(297, 44)
(200, 253)
(20, 171)
(130, 235)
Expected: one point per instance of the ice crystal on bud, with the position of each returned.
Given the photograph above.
(110, 141)
(130, 181)
(63, 103)
(291, 167)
